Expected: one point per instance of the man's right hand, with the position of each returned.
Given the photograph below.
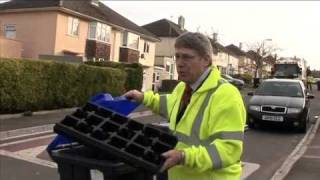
(134, 95)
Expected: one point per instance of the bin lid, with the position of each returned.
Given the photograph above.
(118, 104)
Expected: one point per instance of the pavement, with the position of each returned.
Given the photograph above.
(306, 166)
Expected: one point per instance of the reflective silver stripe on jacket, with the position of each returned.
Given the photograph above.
(193, 139)
(163, 106)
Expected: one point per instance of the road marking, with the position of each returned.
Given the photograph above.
(26, 140)
(23, 132)
(311, 157)
(297, 153)
(314, 147)
(31, 159)
(248, 169)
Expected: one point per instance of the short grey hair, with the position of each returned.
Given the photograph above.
(195, 41)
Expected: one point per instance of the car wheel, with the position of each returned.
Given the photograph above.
(304, 125)
(251, 125)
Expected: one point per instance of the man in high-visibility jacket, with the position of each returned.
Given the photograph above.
(210, 127)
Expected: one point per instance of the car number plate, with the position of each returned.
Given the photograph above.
(272, 118)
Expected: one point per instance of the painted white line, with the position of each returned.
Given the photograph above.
(32, 152)
(297, 153)
(18, 115)
(248, 169)
(28, 158)
(311, 157)
(27, 140)
(140, 114)
(314, 147)
(17, 133)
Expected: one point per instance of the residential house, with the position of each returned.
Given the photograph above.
(224, 59)
(9, 48)
(77, 31)
(245, 62)
(167, 31)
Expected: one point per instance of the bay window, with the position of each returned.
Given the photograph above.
(100, 32)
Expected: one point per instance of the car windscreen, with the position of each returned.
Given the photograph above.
(273, 88)
(286, 70)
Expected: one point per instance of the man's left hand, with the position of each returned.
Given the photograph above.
(173, 157)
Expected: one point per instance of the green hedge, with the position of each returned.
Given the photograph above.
(134, 72)
(38, 85)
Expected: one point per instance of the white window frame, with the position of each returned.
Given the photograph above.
(146, 47)
(127, 37)
(99, 32)
(73, 26)
(7, 30)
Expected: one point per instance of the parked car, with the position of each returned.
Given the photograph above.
(236, 82)
(283, 101)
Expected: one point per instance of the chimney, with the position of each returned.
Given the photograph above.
(240, 45)
(215, 37)
(181, 22)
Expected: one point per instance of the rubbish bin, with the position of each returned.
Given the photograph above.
(104, 131)
(318, 85)
(83, 163)
(256, 82)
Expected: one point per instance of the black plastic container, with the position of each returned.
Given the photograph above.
(82, 163)
(134, 143)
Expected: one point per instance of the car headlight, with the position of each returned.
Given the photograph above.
(254, 108)
(293, 110)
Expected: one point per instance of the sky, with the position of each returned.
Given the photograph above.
(292, 26)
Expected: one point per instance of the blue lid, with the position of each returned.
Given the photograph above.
(118, 104)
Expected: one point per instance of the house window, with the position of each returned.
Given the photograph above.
(156, 77)
(168, 67)
(73, 26)
(99, 31)
(146, 46)
(10, 31)
(130, 40)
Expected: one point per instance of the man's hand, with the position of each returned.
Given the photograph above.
(173, 157)
(134, 95)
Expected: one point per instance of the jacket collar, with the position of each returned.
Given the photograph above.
(211, 81)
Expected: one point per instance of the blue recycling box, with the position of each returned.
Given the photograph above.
(118, 104)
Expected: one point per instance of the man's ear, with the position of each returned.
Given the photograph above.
(208, 60)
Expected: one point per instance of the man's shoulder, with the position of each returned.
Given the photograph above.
(227, 89)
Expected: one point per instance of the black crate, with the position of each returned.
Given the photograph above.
(78, 163)
(132, 142)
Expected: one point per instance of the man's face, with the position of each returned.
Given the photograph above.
(190, 65)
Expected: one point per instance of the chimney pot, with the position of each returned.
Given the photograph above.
(181, 22)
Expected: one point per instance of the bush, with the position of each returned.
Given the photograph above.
(134, 78)
(41, 85)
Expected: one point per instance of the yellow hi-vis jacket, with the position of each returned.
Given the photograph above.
(210, 132)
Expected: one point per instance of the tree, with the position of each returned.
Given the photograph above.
(260, 53)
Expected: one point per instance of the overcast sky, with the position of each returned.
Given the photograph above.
(293, 26)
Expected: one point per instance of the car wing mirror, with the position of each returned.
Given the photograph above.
(250, 93)
(310, 96)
